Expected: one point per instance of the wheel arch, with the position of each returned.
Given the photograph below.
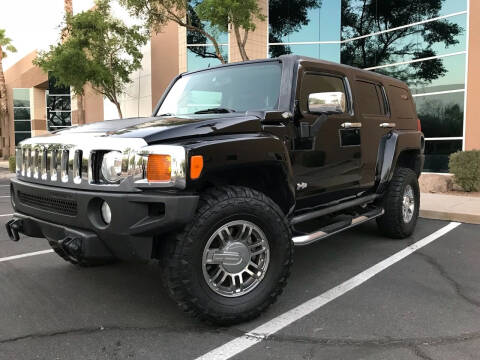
(398, 149)
(257, 161)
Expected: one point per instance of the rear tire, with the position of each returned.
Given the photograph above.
(401, 203)
(230, 221)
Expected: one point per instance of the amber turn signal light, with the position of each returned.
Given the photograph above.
(196, 166)
(159, 168)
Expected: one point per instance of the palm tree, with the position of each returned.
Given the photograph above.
(5, 48)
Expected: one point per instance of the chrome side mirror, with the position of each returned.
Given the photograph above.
(326, 102)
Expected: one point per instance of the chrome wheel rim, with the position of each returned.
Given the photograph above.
(408, 204)
(235, 258)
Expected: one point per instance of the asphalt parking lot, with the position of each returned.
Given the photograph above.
(424, 306)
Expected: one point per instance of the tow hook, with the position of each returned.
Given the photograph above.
(14, 227)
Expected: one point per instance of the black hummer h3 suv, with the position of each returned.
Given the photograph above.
(238, 164)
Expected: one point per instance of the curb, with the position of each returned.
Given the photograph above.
(450, 216)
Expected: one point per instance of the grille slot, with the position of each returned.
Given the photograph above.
(49, 203)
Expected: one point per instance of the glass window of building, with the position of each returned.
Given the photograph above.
(200, 51)
(59, 110)
(407, 40)
(21, 115)
(309, 28)
(204, 56)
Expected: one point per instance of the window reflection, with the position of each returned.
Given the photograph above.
(329, 52)
(59, 112)
(21, 114)
(58, 119)
(201, 57)
(441, 115)
(304, 20)
(405, 45)
(21, 98)
(194, 37)
(360, 18)
(452, 74)
(437, 153)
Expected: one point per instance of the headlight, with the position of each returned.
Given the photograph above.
(112, 166)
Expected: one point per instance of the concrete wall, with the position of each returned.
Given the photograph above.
(257, 41)
(165, 59)
(472, 121)
(24, 75)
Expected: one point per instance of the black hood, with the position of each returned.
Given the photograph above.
(161, 129)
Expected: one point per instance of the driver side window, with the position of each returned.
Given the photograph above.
(323, 94)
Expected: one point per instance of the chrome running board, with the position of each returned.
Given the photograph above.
(335, 228)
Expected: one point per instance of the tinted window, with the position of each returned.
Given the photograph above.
(314, 83)
(370, 99)
(437, 153)
(441, 115)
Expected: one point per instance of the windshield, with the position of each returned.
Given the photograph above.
(228, 89)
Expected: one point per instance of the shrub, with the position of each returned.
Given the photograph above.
(465, 166)
(11, 163)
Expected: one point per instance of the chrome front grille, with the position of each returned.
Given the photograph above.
(41, 162)
(68, 161)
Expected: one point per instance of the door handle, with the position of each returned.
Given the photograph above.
(350, 125)
(388, 125)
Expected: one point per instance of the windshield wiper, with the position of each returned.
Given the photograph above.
(217, 110)
(166, 114)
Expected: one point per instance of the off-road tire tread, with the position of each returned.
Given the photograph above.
(391, 223)
(176, 267)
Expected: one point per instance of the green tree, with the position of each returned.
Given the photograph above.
(100, 50)
(157, 13)
(5, 48)
(364, 17)
(241, 14)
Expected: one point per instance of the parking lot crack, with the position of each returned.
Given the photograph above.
(384, 342)
(420, 353)
(98, 329)
(449, 279)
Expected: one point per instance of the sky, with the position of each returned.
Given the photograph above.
(35, 24)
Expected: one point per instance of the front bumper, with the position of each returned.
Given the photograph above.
(63, 214)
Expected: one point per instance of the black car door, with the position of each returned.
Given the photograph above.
(326, 158)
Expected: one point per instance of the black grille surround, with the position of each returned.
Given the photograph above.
(49, 203)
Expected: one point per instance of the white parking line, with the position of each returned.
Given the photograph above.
(21, 256)
(6, 215)
(4, 196)
(262, 332)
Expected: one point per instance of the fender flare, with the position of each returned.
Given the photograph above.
(391, 146)
(224, 153)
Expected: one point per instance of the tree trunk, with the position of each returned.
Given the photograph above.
(119, 109)
(5, 122)
(68, 6)
(240, 42)
(80, 110)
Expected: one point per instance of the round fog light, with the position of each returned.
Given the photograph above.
(106, 213)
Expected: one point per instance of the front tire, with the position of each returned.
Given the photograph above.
(401, 203)
(233, 260)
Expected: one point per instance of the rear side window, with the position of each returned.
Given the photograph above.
(370, 99)
(400, 102)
